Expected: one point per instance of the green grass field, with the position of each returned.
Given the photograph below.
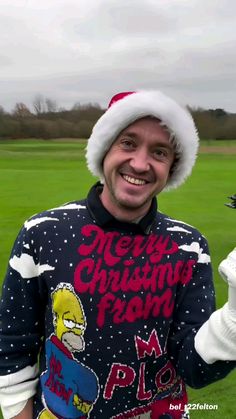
(36, 175)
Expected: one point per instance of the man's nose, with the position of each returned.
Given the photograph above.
(140, 161)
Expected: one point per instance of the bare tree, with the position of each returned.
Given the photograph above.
(2, 111)
(51, 105)
(38, 104)
(21, 110)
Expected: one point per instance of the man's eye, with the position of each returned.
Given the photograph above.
(160, 153)
(127, 144)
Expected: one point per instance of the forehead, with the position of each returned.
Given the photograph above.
(149, 126)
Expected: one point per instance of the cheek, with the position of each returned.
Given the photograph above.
(106, 169)
(107, 161)
(111, 163)
(163, 169)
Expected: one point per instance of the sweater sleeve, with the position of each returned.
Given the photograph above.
(21, 325)
(216, 338)
(195, 304)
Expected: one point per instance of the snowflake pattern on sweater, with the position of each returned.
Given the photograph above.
(112, 308)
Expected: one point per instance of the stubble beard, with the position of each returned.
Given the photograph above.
(128, 206)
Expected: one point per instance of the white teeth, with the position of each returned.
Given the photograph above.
(134, 181)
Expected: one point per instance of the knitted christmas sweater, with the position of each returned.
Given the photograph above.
(108, 311)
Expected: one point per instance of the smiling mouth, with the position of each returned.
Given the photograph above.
(134, 181)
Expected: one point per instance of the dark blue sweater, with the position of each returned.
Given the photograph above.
(111, 308)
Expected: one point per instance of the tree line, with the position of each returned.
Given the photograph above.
(48, 121)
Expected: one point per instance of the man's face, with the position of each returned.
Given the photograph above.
(136, 168)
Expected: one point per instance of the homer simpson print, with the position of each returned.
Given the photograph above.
(69, 388)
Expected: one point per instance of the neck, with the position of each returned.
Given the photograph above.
(121, 213)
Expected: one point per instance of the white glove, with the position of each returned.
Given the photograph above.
(227, 270)
(216, 338)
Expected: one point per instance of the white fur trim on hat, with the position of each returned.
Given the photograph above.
(133, 107)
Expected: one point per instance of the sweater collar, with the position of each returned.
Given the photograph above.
(105, 219)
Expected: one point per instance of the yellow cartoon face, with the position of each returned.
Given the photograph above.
(69, 318)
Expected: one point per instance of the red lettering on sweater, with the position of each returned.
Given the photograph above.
(53, 382)
(108, 267)
(124, 376)
(102, 243)
(120, 376)
(142, 394)
(144, 348)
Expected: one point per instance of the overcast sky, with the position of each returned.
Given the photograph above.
(86, 50)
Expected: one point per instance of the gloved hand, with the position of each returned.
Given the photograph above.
(227, 270)
(216, 338)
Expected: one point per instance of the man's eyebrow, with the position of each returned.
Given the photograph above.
(159, 142)
(164, 144)
(130, 133)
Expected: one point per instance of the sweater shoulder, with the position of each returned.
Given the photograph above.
(65, 211)
(178, 226)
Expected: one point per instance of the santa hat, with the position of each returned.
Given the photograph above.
(124, 109)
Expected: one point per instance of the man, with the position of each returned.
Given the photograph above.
(116, 298)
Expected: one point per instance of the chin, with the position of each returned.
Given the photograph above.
(134, 200)
(131, 204)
